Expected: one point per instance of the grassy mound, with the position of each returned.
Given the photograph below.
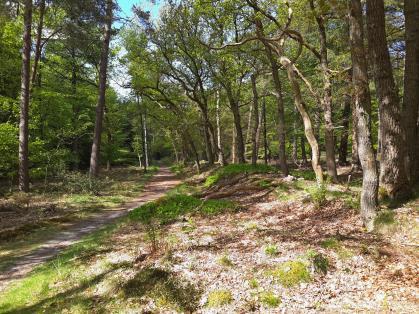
(168, 209)
(234, 169)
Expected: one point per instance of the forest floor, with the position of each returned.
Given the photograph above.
(236, 240)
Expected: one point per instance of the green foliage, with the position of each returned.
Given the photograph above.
(291, 273)
(271, 249)
(270, 299)
(178, 169)
(219, 298)
(234, 169)
(318, 195)
(336, 245)
(8, 149)
(168, 209)
(253, 283)
(225, 261)
(307, 174)
(320, 262)
(385, 217)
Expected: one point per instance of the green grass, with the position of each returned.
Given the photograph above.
(385, 217)
(291, 273)
(177, 169)
(38, 291)
(219, 298)
(169, 208)
(306, 174)
(270, 299)
(234, 169)
(271, 250)
(336, 245)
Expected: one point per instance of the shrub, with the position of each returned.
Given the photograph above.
(318, 195)
(291, 273)
(177, 169)
(234, 169)
(219, 298)
(225, 261)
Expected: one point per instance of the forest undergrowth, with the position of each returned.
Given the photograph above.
(250, 241)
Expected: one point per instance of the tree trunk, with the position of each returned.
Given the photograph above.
(233, 146)
(280, 111)
(94, 157)
(145, 138)
(363, 115)
(239, 147)
(355, 163)
(249, 128)
(327, 99)
(308, 128)
(265, 140)
(343, 146)
(294, 138)
(393, 177)
(24, 100)
(38, 47)
(411, 89)
(255, 128)
(221, 158)
(303, 151)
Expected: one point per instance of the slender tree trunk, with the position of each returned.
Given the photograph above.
(265, 139)
(411, 89)
(327, 99)
(280, 111)
(393, 177)
(308, 128)
(24, 100)
(363, 115)
(294, 137)
(37, 55)
(343, 147)
(233, 146)
(221, 158)
(145, 131)
(94, 157)
(237, 125)
(249, 128)
(355, 163)
(303, 151)
(255, 127)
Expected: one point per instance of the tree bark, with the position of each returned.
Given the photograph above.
(38, 47)
(411, 89)
(255, 128)
(239, 147)
(303, 151)
(327, 98)
(363, 115)
(265, 139)
(308, 128)
(221, 158)
(393, 177)
(94, 157)
(343, 146)
(24, 100)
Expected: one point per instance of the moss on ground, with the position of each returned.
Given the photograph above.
(217, 298)
(291, 273)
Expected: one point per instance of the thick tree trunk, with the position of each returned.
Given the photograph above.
(327, 99)
(363, 116)
(37, 55)
(308, 128)
(221, 158)
(355, 163)
(24, 100)
(343, 146)
(393, 177)
(411, 89)
(255, 128)
(94, 157)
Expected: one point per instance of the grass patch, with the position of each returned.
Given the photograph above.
(225, 261)
(177, 169)
(306, 174)
(39, 290)
(385, 217)
(219, 298)
(271, 250)
(234, 169)
(167, 290)
(169, 208)
(253, 283)
(270, 299)
(291, 273)
(336, 245)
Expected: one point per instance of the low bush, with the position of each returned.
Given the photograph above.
(219, 298)
(291, 273)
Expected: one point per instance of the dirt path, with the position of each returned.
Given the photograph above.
(161, 182)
